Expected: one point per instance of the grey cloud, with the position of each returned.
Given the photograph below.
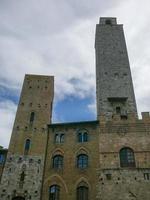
(47, 17)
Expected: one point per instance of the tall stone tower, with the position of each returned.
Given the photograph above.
(115, 94)
(23, 172)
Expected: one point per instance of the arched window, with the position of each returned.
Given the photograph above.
(82, 136)
(62, 138)
(82, 193)
(59, 138)
(54, 192)
(85, 137)
(32, 117)
(27, 147)
(82, 161)
(127, 157)
(58, 162)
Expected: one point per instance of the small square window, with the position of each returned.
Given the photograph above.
(108, 176)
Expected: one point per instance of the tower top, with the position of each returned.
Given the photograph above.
(108, 20)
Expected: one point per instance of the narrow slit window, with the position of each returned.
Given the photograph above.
(118, 110)
(32, 116)
(27, 147)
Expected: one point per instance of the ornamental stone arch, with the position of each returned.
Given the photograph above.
(55, 180)
(82, 150)
(82, 182)
(57, 151)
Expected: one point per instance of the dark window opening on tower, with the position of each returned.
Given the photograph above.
(27, 147)
(32, 116)
(118, 110)
(108, 21)
(108, 176)
(124, 117)
(18, 198)
(22, 176)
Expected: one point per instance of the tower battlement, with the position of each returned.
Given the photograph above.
(108, 20)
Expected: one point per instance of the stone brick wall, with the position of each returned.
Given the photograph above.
(125, 184)
(12, 185)
(36, 97)
(116, 182)
(113, 76)
(70, 176)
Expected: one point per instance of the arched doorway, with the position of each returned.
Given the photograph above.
(18, 198)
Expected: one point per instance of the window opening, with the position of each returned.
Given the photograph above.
(59, 138)
(108, 21)
(82, 161)
(54, 191)
(118, 110)
(127, 157)
(27, 147)
(32, 116)
(58, 162)
(82, 193)
(82, 136)
(108, 176)
(62, 138)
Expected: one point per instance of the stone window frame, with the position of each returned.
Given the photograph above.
(127, 157)
(59, 138)
(82, 135)
(54, 192)
(82, 191)
(82, 161)
(58, 162)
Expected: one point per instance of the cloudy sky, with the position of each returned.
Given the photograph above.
(56, 37)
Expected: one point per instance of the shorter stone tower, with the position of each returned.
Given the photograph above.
(115, 94)
(22, 176)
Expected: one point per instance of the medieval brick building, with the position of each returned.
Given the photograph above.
(105, 159)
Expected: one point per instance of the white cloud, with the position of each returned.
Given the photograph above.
(7, 113)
